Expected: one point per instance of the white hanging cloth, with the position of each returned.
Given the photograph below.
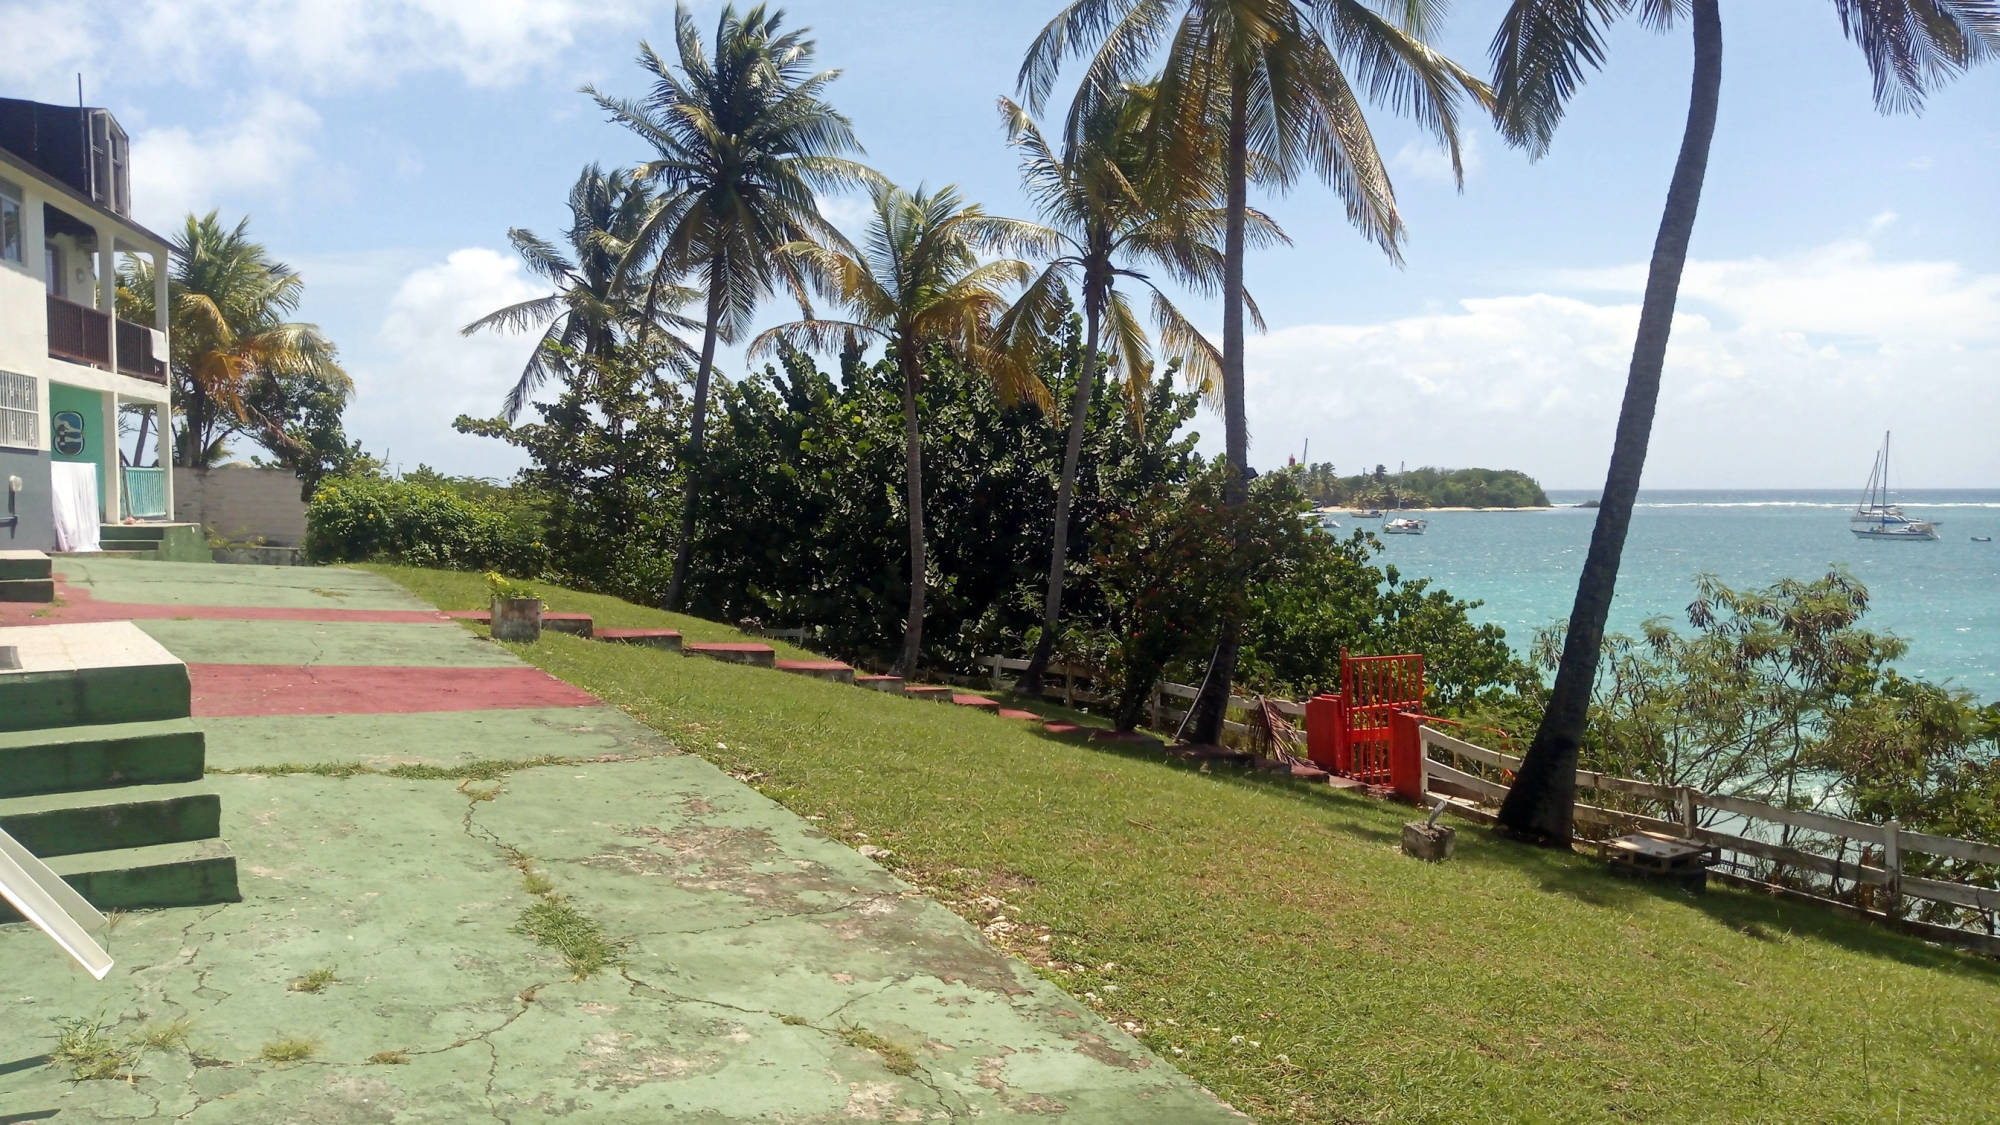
(73, 502)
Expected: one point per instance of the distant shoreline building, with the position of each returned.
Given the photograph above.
(78, 385)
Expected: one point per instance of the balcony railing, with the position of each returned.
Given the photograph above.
(78, 333)
(81, 334)
(135, 353)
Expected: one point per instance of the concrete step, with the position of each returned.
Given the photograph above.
(188, 873)
(113, 551)
(40, 590)
(69, 759)
(140, 532)
(24, 564)
(1017, 713)
(832, 670)
(651, 638)
(89, 674)
(96, 820)
(1059, 729)
(933, 692)
(576, 624)
(763, 656)
(890, 684)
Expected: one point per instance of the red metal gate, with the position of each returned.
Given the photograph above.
(1349, 733)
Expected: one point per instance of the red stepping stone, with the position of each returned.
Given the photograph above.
(1065, 730)
(265, 689)
(928, 691)
(651, 638)
(978, 701)
(819, 669)
(734, 652)
(891, 684)
(1015, 713)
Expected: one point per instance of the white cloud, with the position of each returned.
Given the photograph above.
(258, 148)
(1424, 160)
(418, 373)
(317, 44)
(1882, 221)
(1813, 356)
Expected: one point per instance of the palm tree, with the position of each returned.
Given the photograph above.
(745, 140)
(227, 303)
(594, 295)
(1110, 215)
(919, 284)
(1284, 82)
(1539, 57)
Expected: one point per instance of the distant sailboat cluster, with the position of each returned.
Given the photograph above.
(1876, 518)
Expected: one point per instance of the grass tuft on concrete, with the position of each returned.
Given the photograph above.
(390, 1058)
(896, 1058)
(288, 1049)
(169, 1036)
(315, 981)
(86, 1046)
(1272, 941)
(577, 938)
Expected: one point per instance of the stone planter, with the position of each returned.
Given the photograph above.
(517, 619)
(1432, 843)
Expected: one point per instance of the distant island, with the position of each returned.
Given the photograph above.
(1420, 488)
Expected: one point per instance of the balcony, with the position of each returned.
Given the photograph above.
(82, 334)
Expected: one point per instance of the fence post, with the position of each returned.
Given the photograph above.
(995, 664)
(1069, 686)
(1156, 711)
(1406, 752)
(1892, 862)
(1687, 811)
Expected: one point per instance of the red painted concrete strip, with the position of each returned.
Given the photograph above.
(811, 666)
(266, 689)
(79, 606)
(729, 646)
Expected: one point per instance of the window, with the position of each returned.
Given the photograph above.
(20, 412)
(10, 223)
(52, 261)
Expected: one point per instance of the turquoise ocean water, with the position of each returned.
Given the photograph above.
(1943, 597)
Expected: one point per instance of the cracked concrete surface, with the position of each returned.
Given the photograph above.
(756, 950)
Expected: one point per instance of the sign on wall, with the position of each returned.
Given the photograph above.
(67, 433)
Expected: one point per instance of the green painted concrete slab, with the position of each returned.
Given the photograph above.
(179, 583)
(450, 738)
(442, 645)
(755, 950)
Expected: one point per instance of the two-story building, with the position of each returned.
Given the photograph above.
(84, 395)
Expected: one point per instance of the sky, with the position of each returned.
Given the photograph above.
(1844, 275)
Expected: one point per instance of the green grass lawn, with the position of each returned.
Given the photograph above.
(1272, 940)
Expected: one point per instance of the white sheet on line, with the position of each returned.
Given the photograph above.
(73, 501)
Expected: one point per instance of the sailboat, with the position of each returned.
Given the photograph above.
(1876, 518)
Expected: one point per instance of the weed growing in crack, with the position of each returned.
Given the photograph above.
(534, 882)
(579, 939)
(896, 1059)
(86, 1047)
(389, 1058)
(169, 1036)
(315, 981)
(291, 1048)
(484, 769)
(793, 1021)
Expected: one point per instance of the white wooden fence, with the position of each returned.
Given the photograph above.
(1878, 863)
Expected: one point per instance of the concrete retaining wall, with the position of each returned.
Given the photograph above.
(242, 504)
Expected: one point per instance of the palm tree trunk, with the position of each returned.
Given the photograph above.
(1030, 683)
(1541, 808)
(691, 460)
(1213, 705)
(913, 460)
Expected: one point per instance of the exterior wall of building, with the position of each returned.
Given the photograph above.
(26, 524)
(80, 435)
(242, 504)
(24, 343)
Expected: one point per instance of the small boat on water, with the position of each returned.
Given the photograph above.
(1876, 518)
(1982, 539)
(1365, 514)
(1403, 525)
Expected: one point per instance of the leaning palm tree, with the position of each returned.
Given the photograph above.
(227, 304)
(919, 284)
(595, 301)
(1285, 81)
(1539, 58)
(1111, 217)
(745, 140)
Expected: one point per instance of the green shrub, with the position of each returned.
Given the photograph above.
(354, 519)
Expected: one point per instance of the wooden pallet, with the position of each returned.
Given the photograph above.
(1657, 855)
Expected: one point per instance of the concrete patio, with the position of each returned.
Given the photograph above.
(398, 791)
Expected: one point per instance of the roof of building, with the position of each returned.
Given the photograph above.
(21, 165)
